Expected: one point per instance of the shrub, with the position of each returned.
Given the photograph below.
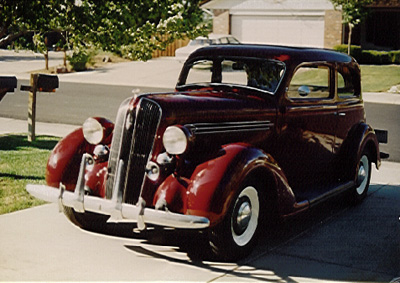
(80, 58)
(375, 57)
(370, 56)
(394, 57)
(355, 50)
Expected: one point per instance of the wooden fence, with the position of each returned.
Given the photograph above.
(170, 50)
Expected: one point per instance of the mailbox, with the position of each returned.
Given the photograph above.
(42, 82)
(47, 83)
(7, 84)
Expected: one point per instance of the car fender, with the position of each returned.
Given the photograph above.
(64, 160)
(213, 184)
(361, 137)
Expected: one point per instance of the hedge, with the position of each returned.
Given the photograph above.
(371, 56)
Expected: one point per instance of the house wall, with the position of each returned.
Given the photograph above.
(221, 22)
(333, 28)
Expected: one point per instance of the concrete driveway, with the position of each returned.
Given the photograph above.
(333, 242)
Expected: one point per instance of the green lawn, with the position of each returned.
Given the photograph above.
(376, 78)
(21, 163)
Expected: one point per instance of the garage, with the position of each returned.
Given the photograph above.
(295, 31)
(312, 23)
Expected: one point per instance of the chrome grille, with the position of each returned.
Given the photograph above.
(146, 125)
(133, 144)
(121, 137)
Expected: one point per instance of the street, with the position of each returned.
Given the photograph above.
(72, 103)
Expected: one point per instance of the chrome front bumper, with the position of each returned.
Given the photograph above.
(118, 211)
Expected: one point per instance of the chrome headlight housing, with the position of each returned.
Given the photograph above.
(93, 131)
(175, 140)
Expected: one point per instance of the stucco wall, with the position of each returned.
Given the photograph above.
(221, 22)
(333, 28)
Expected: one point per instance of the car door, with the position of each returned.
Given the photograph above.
(306, 136)
(350, 114)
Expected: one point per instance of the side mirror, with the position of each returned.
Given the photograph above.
(303, 91)
(7, 84)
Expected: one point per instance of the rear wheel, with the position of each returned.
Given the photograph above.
(235, 237)
(363, 178)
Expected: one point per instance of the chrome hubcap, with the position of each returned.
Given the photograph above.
(243, 217)
(362, 175)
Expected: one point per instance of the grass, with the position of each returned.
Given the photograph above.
(22, 162)
(374, 78)
(377, 78)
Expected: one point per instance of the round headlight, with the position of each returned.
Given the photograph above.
(92, 131)
(175, 140)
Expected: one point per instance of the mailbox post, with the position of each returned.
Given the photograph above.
(38, 82)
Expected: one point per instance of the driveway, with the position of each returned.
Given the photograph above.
(333, 242)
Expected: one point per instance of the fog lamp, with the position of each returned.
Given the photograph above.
(152, 171)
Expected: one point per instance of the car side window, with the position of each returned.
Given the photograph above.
(345, 87)
(310, 82)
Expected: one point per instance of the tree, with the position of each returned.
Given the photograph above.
(353, 13)
(133, 29)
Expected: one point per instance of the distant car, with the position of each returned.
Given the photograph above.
(252, 133)
(183, 53)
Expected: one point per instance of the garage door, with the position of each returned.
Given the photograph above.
(283, 30)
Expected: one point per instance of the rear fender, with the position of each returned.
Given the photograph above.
(361, 137)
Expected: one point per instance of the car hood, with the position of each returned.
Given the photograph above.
(211, 106)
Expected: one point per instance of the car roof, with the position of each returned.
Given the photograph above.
(286, 54)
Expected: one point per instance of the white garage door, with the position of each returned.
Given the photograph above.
(281, 30)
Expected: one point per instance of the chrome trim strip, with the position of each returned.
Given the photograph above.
(229, 127)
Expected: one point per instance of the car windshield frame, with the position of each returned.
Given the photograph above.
(217, 72)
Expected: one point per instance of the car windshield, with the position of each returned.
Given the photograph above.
(261, 74)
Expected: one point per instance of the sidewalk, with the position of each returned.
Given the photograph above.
(161, 72)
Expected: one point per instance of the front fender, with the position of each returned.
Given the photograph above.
(213, 184)
(64, 160)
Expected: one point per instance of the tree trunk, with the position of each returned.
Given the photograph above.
(46, 58)
(65, 58)
(349, 39)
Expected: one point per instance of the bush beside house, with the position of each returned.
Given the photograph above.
(371, 56)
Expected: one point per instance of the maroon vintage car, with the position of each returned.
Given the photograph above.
(251, 132)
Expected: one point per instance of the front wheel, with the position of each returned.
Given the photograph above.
(235, 237)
